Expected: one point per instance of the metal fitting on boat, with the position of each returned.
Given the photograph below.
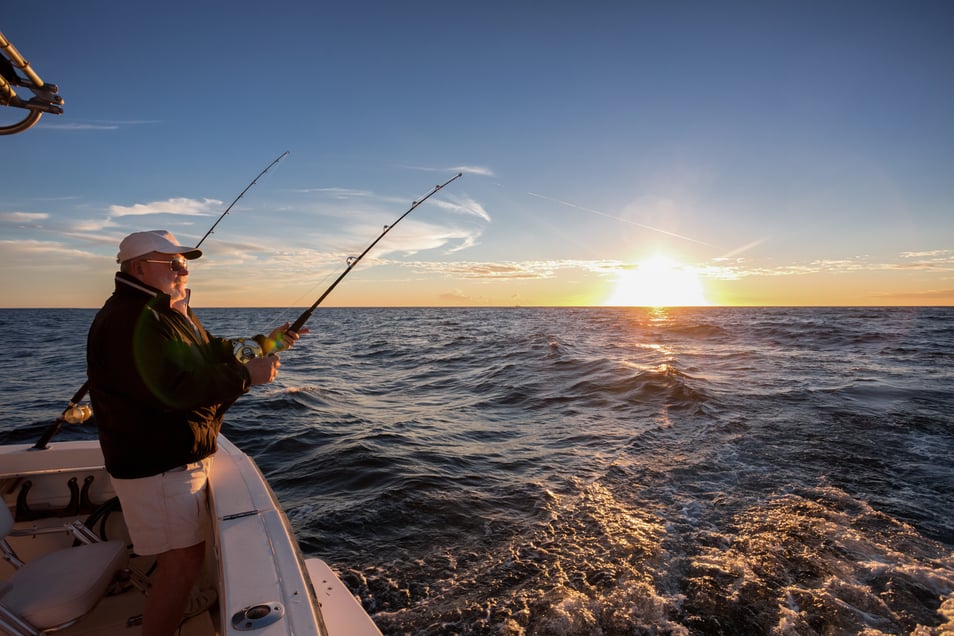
(257, 616)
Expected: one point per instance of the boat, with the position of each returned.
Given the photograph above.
(69, 567)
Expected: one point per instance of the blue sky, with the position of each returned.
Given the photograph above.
(773, 152)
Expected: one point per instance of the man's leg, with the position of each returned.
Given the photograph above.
(175, 575)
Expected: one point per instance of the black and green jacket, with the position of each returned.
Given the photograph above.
(159, 385)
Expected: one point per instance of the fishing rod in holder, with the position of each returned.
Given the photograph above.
(77, 413)
(260, 346)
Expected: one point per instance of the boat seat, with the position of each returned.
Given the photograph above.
(57, 589)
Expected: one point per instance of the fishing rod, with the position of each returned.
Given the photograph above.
(76, 413)
(260, 346)
(241, 194)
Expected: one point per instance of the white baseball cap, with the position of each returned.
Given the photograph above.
(140, 243)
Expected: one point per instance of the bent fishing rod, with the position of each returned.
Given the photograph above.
(260, 346)
(76, 413)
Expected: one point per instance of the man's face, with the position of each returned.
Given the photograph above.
(158, 272)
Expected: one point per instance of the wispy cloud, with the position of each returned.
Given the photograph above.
(416, 236)
(180, 206)
(932, 259)
(928, 254)
(721, 269)
(462, 205)
(94, 125)
(505, 270)
(338, 193)
(80, 126)
(928, 261)
(454, 296)
(927, 295)
(91, 225)
(23, 217)
(478, 170)
(33, 250)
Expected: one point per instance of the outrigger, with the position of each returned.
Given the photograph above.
(45, 98)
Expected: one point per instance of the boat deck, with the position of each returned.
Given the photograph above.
(120, 614)
(253, 566)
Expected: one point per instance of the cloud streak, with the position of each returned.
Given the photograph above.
(45, 250)
(477, 170)
(179, 206)
(527, 270)
(462, 205)
(23, 217)
(96, 125)
(337, 193)
(620, 219)
(932, 261)
(541, 269)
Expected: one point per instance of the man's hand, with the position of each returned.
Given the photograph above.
(281, 338)
(263, 370)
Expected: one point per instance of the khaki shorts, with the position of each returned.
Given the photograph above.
(167, 511)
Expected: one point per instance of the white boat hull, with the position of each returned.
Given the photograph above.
(264, 585)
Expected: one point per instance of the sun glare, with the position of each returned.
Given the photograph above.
(658, 282)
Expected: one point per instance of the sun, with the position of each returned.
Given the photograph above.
(658, 282)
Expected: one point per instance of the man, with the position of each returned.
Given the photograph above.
(159, 387)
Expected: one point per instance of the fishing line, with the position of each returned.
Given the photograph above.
(296, 303)
(260, 346)
(76, 413)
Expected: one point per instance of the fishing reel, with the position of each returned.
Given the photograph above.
(259, 346)
(247, 349)
(77, 413)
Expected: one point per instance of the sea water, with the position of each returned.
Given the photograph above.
(593, 470)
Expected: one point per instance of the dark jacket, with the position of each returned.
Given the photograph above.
(159, 387)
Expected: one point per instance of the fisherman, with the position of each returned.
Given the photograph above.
(159, 387)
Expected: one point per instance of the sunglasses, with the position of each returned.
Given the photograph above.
(177, 263)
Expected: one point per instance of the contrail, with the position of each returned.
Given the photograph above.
(745, 248)
(610, 216)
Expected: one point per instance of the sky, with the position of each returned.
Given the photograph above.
(612, 153)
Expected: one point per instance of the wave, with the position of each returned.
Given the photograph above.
(596, 562)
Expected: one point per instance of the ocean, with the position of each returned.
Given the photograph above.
(591, 471)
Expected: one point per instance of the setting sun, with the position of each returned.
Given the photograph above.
(658, 282)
